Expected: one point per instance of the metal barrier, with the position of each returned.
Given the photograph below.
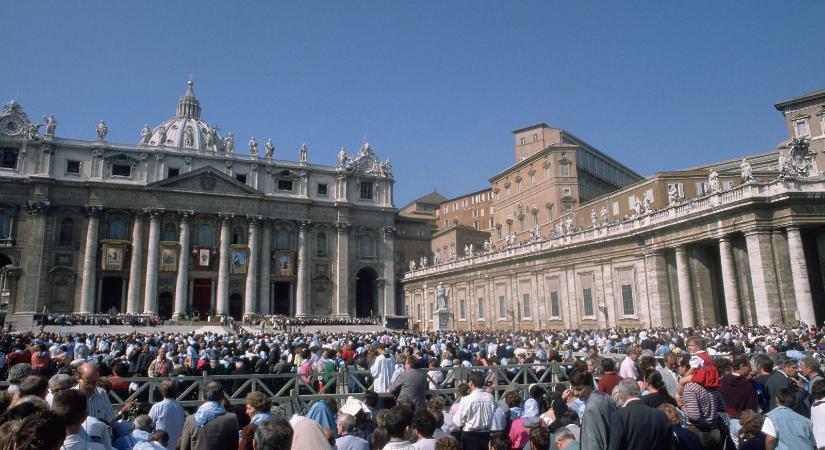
(295, 393)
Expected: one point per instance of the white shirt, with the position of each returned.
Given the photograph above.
(818, 418)
(628, 369)
(382, 370)
(168, 415)
(475, 411)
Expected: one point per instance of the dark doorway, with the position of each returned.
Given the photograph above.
(165, 306)
(4, 261)
(365, 293)
(281, 300)
(236, 306)
(111, 294)
(202, 296)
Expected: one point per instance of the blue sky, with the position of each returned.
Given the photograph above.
(436, 86)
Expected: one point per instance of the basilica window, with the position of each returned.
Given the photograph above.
(241, 177)
(366, 190)
(205, 236)
(8, 157)
(172, 172)
(122, 170)
(461, 309)
(5, 226)
(321, 244)
(525, 306)
(282, 239)
(66, 231)
(627, 300)
(366, 245)
(481, 308)
(170, 232)
(587, 298)
(238, 236)
(322, 190)
(285, 185)
(502, 307)
(72, 167)
(117, 229)
(554, 304)
(801, 128)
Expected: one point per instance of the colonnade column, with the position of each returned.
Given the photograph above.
(222, 301)
(342, 270)
(251, 290)
(182, 281)
(301, 288)
(87, 286)
(801, 284)
(763, 277)
(150, 299)
(389, 272)
(136, 265)
(734, 310)
(266, 259)
(32, 261)
(685, 294)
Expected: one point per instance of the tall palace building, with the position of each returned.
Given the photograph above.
(567, 237)
(182, 223)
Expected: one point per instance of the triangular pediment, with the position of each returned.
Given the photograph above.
(205, 180)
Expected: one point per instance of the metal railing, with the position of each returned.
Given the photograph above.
(295, 392)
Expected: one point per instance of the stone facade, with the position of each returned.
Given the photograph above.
(737, 242)
(182, 223)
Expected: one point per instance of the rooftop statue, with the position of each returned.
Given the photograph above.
(253, 147)
(747, 171)
(229, 143)
(269, 148)
(145, 134)
(102, 129)
(51, 125)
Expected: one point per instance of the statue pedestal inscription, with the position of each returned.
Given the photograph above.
(441, 320)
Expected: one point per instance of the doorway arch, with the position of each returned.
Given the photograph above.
(236, 306)
(366, 292)
(165, 305)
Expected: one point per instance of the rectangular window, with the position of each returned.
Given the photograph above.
(801, 128)
(461, 309)
(535, 137)
(481, 308)
(615, 207)
(8, 158)
(475, 225)
(564, 170)
(702, 188)
(122, 170)
(518, 186)
(502, 307)
(366, 190)
(73, 167)
(532, 179)
(172, 172)
(587, 296)
(418, 311)
(631, 202)
(322, 190)
(554, 304)
(525, 306)
(241, 177)
(566, 191)
(285, 185)
(490, 224)
(523, 141)
(627, 299)
(727, 185)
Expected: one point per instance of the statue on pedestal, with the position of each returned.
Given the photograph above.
(102, 129)
(672, 194)
(747, 171)
(605, 216)
(253, 147)
(713, 182)
(441, 297)
(51, 125)
(412, 265)
(229, 143)
(302, 153)
(145, 134)
(270, 148)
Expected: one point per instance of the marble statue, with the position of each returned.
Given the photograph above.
(189, 137)
(799, 162)
(568, 225)
(270, 148)
(386, 167)
(646, 202)
(145, 134)
(51, 125)
(212, 138)
(102, 129)
(593, 220)
(423, 262)
(713, 182)
(605, 216)
(412, 265)
(467, 250)
(672, 194)
(229, 143)
(302, 153)
(441, 296)
(488, 245)
(471, 250)
(342, 158)
(162, 135)
(747, 171)
(34, 130)
(436, 257)
(253, 147)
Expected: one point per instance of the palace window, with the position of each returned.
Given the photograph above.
(117, 229)
(525, 306)
(587, 296)
(502, 307)
(282, 239)
(322, 190)
(535, 137)
(8, 157)
(523, 140)
(65, 235)
(122, 170)
(72, 167)
(285, 185)
(627, 300)
(461, 309)
(554, 304)
(205, 236)
(801, 128)
(480, 308)
(170, 232)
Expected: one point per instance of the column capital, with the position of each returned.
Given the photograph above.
(753, 231)
(224, 218)
(93, 210)
(185, 215)
(138, 214)
(792, 228)
(266, 222)
(389, 232)
(253, 220)
(343, 227)
(303, 224)
(37, 208)
(154, 213)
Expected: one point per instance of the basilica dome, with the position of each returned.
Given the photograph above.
(186, 130)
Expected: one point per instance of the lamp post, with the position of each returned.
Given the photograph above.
(603, 309)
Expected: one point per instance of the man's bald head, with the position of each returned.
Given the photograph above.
(88, 375)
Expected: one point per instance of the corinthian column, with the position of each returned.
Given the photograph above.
(685, 294)
(150, 298)
(182, 280)
(136, 264)
(87, 286)
(734, 311)
(266, 249)
(799, 270)
(342, 270)
(389, 272)
(301, 289)
(251, 291)
(223, 266)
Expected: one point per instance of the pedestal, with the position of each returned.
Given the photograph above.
(441, 320)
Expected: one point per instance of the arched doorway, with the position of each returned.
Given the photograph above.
(111, 294)
(165, 305)
(236, 306)
(366, 291)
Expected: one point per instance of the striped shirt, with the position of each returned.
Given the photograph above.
(100, 407)
(702, 406)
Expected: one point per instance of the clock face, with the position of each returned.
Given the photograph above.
(12, 126)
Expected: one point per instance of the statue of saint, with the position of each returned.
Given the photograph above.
(593, 220)
(269, 148)
(229, 143)
(342, 158)
(423, 262)
(386, 167)
(162, 135)
(51, 125)
(713, 181)
(441, 296)
(189, 138)
(212, 138)
(412, 265)
(102, 129)
(302, 153)
(605, 216)
(145, 134)
(253, 147)
(672, 194)
(747, 171)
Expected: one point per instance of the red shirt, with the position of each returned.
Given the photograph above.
(40, 360)
(707, 375)
(17, 357)
(608, 382)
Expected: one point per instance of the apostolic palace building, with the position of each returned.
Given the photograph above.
(567, 237)
(182, 223)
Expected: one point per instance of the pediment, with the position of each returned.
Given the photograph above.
(205, 180)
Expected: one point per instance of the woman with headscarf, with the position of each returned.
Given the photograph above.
(307, 435)
(520, 428)
(323, 413)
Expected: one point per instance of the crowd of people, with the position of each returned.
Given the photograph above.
(282, 322)
(98, 319)
(705, 388)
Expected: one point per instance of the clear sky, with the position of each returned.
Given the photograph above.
(436, 86)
